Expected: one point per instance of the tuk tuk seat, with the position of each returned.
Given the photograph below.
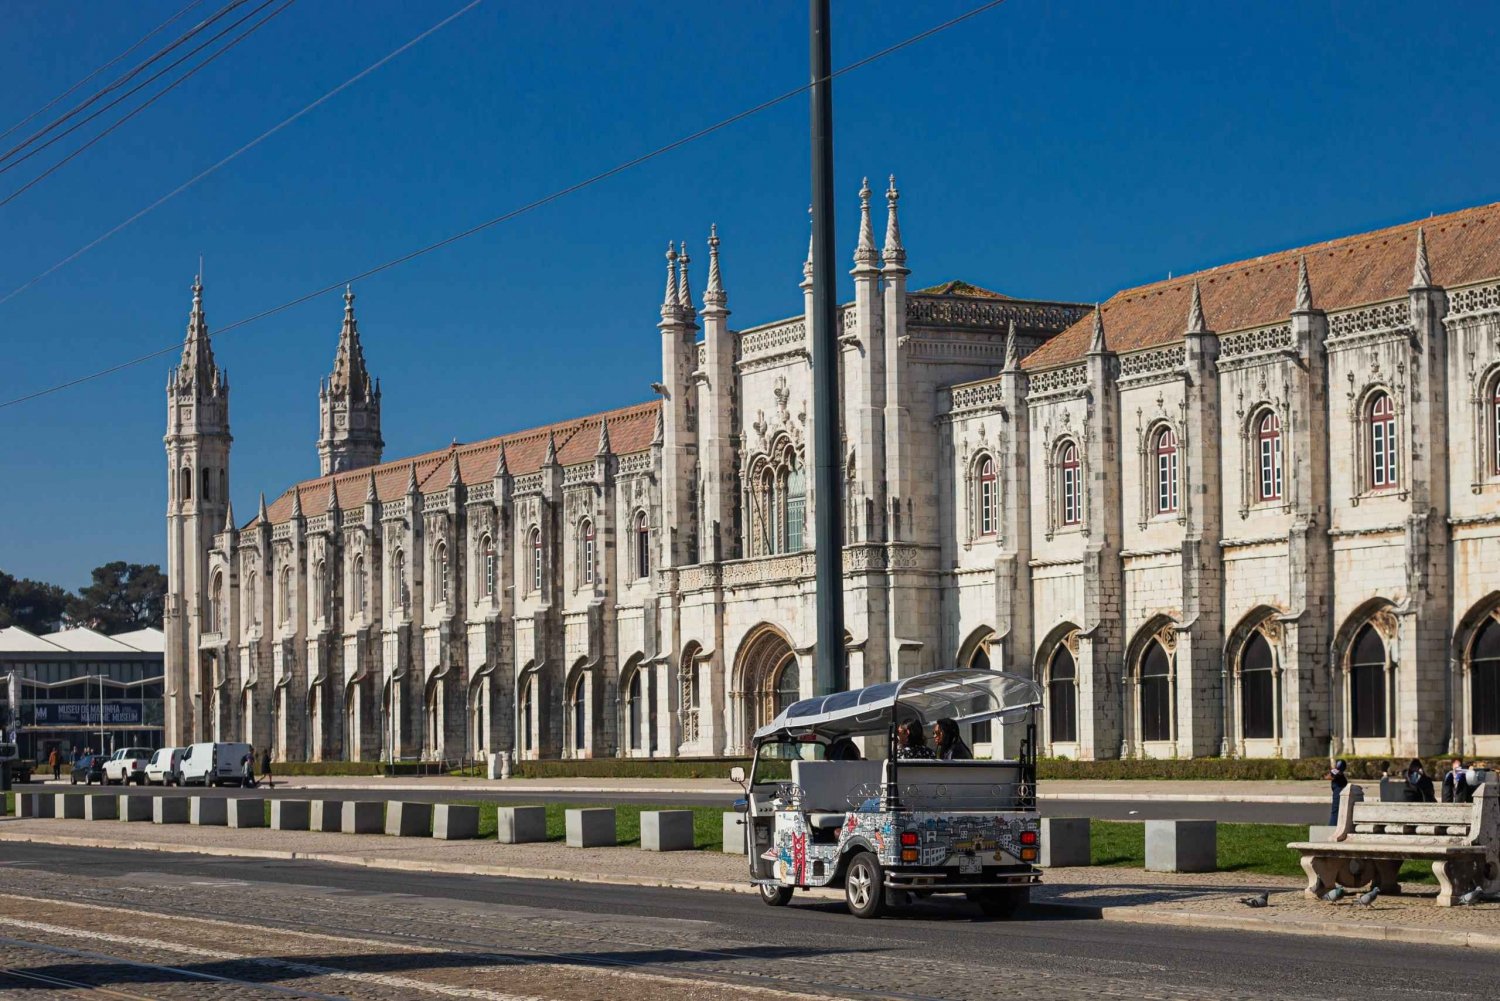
(827, 786)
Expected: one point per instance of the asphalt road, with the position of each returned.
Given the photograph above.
(1260, 813)
(308, 929)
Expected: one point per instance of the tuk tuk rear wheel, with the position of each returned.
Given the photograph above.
(775, 896)
(864, 886)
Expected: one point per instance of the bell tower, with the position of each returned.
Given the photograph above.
(197, 443)
(348, 405)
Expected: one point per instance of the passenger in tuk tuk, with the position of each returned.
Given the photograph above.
(842, 749)
(910, 742)
(949, 746)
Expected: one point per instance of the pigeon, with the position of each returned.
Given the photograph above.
(1368, 897)
(1474, 896)
(1259, 900)
(1334, 895)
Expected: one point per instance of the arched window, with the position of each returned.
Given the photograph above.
(536, 559)
(440, 563)
(578, 703)
(1367, 683)
(1156, 693)
(1268, 442)
(217, 620)
(252, 596)
(286, 595)
(788, 686)
(320, 592)
(1484, 679)
(187, 484)
(1164, 447)
(796, 507)
(402, 591)
(487, 547)
(527, 685)
(586, 551)
(207, 483)
(361, 583)
(1070, 484)
(635, 711)
(1384, 462)
(642, 546)
(987, 503)
(1257, 688)
(1494, 423)
(979, 660)
(1062, 696)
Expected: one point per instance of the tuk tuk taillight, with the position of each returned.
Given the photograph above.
(909, 854)
(1028, 837)
(1028, 854)
(908, 838)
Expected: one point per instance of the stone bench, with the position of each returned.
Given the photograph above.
(101, 806)
(1065, 841)
(408, 820)
(363, 817)
(667, 830)
(453, 822)
(208, 811)
(515, 825)
(135, 807)
(246, 812)
(169, 810)
(290, 814)
(591, 827)
(68, 806)
(326, 815)
(1182, 846)
(1371, 840)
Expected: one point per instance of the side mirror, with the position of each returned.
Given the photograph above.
(737, 774)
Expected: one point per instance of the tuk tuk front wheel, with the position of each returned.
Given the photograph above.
(775, 896)
(864, 886)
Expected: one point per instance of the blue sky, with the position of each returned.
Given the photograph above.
(1049, 148)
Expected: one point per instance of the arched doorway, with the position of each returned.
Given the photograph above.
(1484, 679)
(1368, 664)
(768, 678)
(1062, 695)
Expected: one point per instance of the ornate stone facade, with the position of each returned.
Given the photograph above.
(1218, 515)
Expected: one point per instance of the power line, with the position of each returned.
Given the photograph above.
(513, 213)
(151, 100)
(121, 81)
(64, 95)
(243, 149)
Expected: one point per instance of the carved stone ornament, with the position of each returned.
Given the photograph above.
(1167, 637)
(1385, 623)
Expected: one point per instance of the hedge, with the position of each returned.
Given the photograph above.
(1225, 769)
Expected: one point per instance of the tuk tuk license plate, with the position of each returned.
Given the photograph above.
(969, 865)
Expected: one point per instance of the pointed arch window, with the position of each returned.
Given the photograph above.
(1062, 695)
(586, 551)
(286, 595)
(796, 506)
(402, 590)
(1164, 447)
(1268, 444)
(1257, 688)
(320, 591)
(642, 546)
(1368, 669)
(988, 483)
(252, 596)
(440, 563)
(187, 484)
(578, 706)
(1385, 466)
(1484, 679)
(536, 560)
(1156, 693)
(528, 687)
(361, 582)
(487, 547)
(1493, 405)
(217, 620)
(635, 712)
(788, 686)
(1070, 484)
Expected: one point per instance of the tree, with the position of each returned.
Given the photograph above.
(123, 596)
(31, 604)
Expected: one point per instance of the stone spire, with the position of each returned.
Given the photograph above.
(659, 433)
(502, 468)
(714, 296)
(864, 251)
(349, 372)
(1096, 346)
(1012, 350)
(894, 253)
(197, 366)
(228, 515)
(1195, 322)
(1304, 288)
(411, 478)
(453, 477)
(372, 494)
(684, 292)
(669, 300)
(260, 514)
(1421, 273)
(604, 448)
(807, 265)
(550, 459)
(348, 404)
(296, 502)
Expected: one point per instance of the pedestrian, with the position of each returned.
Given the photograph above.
(1456, 788)
(1385, 770)
(247, 770)
(55, 760)
(1338, 779)
(265, 768)
(1418, 783)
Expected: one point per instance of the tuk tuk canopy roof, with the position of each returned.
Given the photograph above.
(965, 696)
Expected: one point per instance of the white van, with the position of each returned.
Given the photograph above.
(214, 764)
(161, 770)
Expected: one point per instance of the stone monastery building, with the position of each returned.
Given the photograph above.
(1252, 511)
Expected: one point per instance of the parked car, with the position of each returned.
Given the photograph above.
(20, 768)
(127, 765)
(162, 769)
(89, 769)
(215, 764)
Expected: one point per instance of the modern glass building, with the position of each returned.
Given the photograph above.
(77, 689)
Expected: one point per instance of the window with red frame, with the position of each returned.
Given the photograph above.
(1166, 471)
(1384, 464)
(586, 551)
(1268, 435)
(536, 559)
(987, 496)
(1070, 482)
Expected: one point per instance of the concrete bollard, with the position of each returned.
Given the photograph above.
(68, 807)
(408, 820)
(208, 811)
(1065, 841)
(666, 830)
(1393, 790)
(326, 815)
(515, 825)
(135, 807)
(169, 810)
(101, 806)
(1182, 846)
(363, 817)
(591, 827)
(245, 812)
(451, 822)
(735, 827)
(290, 814)
(39, 805)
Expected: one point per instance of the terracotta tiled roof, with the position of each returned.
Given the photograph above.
(630, 430)
(1462, 247)
(961, 288)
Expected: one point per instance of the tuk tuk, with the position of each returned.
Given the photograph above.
(894, 828)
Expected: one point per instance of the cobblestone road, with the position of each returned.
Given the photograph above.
(145, 925)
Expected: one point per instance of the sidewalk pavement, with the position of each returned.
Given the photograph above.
(1113, 790)
(1109, 893)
